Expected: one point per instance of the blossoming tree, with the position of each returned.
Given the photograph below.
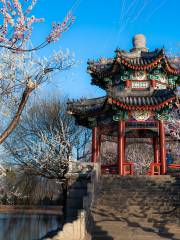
(46, 139)
(21, 72)
(173, 126)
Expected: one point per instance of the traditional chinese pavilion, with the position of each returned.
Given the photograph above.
(140, 90)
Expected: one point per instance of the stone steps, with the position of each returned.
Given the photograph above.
(121, 202)
(136, 208)
(120, 231)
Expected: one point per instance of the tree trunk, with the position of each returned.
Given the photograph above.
(16, 118)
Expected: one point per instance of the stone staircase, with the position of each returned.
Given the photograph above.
(136, 208)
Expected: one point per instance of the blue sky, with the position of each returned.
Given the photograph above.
(101, 26)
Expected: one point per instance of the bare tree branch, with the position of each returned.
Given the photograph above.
(16, 118)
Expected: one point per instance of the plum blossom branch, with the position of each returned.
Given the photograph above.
(17, 25)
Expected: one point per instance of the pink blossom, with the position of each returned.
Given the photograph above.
(17, 25)
(58, 28)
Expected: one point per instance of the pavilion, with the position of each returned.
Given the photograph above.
(140, 90)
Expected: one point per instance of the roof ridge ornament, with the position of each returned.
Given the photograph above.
(139, 43)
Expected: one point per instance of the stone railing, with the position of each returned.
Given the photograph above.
(89, 199)
(73, 231)
(77, 230)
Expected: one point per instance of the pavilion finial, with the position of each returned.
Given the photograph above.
(139, 43)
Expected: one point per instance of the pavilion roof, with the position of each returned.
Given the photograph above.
(157, 100)
(138, 60)
(86, 106)
(82, 109)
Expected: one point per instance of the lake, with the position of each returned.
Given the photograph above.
(14, 226)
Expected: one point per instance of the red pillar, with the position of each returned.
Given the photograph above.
(156, 151)
(94, 144)
(121, 131)
(98, 146)
(124, 146)
(162, 143)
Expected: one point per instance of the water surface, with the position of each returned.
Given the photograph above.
(15, 226)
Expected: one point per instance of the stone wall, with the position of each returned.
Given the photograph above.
(80, 197)
(77, 190)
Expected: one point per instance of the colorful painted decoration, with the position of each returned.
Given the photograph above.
(122, 115)
(123, 78)
(165, 116)
(108, 80)
(139, 84)
(141, 115)
(92, 122)
(116, 117)
(157, 75)
(160, 86)
(139, 75)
